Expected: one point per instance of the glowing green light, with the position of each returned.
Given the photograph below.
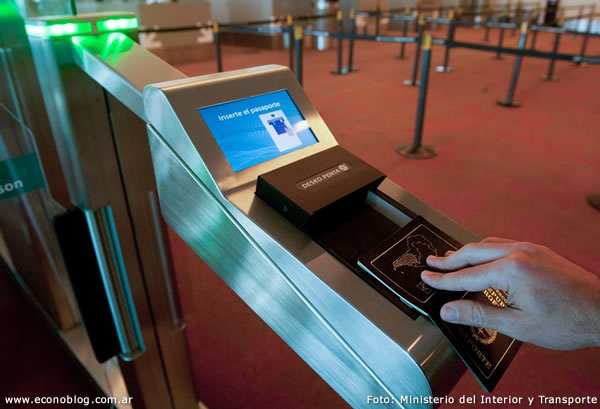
(58, 30)
(114, 24)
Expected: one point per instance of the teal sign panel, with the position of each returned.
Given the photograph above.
(20, 175)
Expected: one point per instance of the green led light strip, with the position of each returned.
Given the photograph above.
(58, 30)
(115, 24)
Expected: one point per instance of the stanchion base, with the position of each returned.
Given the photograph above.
(593, 200)
(416, 152)
(497, 58)
(344, 71)
(509, 104)
(441, 68)
(580, 63)
(550, 79)
(401, 57)
(412, 83)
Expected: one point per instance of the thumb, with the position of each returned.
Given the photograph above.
(476, 314)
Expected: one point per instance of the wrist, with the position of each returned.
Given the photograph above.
(595, 316)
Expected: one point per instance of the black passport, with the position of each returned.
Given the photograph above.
(397, 263)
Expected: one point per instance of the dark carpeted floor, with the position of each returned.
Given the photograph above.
(519, 173)
(34, 362)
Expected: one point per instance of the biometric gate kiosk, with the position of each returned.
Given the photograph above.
(301, 282)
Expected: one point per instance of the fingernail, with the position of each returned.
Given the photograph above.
(449, 314)
(449, 252)
(426, 273)
(432, 258)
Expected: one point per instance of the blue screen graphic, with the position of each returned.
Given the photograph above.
(256, 129)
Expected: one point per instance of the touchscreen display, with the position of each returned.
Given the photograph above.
(256, 129)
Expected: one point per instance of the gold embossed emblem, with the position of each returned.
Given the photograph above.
(483, 335)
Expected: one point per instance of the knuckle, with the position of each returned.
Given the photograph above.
(527, 247)
(477, 315)
(515, 260)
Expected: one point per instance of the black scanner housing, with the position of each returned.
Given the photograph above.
(320, 189)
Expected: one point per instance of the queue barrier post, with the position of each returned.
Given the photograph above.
(340, 20)
(500, 43)
(298, 35)
(377, 20)
(579, 17)
(351, 67)
(488, 17)
(402, 56)
(412, 82)
(217, 42)
(518, 16)
(416, 149)
(534, 34)
(290, 36)
(550, 75)
(449, 39)
(509, 102)
(586, 36)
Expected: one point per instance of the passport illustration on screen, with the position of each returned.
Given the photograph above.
(397, 263)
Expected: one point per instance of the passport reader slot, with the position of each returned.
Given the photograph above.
(369, 223)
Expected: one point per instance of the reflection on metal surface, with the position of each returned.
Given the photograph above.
(114, 277)
(121, 66)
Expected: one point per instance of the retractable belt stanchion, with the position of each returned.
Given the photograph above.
(413, 80)
(488, 17)
(401, 56)
(518, 16)
(377, 20)
(500, 43)
(290, 36)
(533, 39)
(587, 34)
(449, 39)
(340, 43)
(416, 150)
(217, 42)
(509, 101)
(298, 34)
(579, 17)
(351, 67)
(550, 75)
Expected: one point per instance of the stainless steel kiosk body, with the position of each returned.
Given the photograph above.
(355, 339)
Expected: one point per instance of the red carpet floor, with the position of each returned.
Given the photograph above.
(519, 173)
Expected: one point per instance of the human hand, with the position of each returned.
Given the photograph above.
(552, 302)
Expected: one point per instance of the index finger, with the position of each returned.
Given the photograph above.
(471, 254)
(478, 278)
